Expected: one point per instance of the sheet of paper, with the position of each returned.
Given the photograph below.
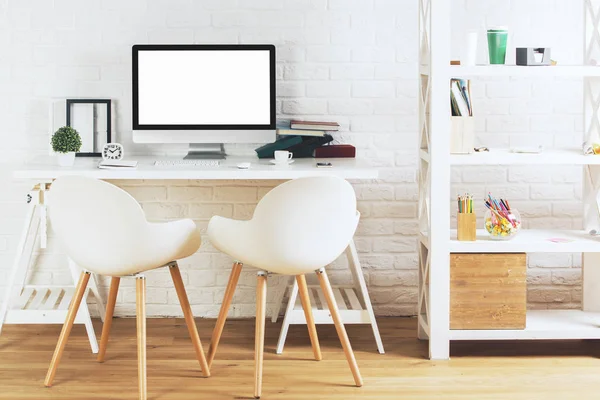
(100, 127)
(82, 120)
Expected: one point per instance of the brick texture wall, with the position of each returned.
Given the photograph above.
(354, 61)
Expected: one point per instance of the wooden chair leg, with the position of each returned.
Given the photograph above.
(66, 329)
(189, 318)
(310, 321)
(339, 326)
(110, 309)
(229, 291)
(259, 339)
(140, 301)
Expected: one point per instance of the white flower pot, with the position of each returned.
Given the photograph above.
(66, 159)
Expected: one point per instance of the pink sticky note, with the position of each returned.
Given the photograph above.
(561, 240)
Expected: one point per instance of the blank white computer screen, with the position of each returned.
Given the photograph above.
(204, 87)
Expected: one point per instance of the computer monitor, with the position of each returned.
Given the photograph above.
(204, 95)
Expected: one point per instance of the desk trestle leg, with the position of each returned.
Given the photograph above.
(353, 302)
(39, 304)
(18, 274)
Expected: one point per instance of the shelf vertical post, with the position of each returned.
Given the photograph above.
(591, 179)
(423, 173)
(434, 284)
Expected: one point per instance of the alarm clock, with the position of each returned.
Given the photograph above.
(112, 151)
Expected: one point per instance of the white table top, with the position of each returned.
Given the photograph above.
(46, 168)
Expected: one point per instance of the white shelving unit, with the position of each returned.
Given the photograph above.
(437, 240)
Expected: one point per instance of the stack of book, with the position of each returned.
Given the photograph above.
(301, 138)
(460, 98)
(306, 128)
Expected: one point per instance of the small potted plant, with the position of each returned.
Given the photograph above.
(66, 142)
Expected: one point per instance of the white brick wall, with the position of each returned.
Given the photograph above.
(350, 60)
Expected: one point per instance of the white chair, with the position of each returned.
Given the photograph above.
(104, 230)
(298, 227)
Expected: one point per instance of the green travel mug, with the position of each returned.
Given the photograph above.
(497, 39)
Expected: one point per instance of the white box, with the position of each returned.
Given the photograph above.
(462, 135)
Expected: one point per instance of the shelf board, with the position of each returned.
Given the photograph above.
(460, 71)
(529, 241)
(542, 324)
(506, 157)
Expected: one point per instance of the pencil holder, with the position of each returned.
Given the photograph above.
(462, 135)
(467, 227)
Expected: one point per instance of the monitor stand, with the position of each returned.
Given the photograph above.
(206, 151)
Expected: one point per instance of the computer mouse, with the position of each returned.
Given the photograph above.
(244, 165)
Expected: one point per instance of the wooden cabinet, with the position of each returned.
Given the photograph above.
(488, 291)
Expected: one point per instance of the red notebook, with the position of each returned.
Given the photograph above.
(336, 151)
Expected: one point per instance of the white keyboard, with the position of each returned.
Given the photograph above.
(186, 163)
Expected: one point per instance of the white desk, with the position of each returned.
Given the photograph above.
(44, 170)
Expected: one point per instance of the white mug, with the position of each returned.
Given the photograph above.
(283, 156)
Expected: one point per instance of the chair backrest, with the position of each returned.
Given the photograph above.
(311, 219)
(100, 225)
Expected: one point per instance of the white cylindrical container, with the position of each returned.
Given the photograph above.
(469, 56)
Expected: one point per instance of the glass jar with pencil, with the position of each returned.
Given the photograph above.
(501, 221)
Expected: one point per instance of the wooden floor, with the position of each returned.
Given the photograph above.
(506, 370)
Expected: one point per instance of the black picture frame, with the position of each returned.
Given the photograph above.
(203, 47)
(108, 103)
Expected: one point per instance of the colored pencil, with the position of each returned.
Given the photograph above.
(465, 204)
